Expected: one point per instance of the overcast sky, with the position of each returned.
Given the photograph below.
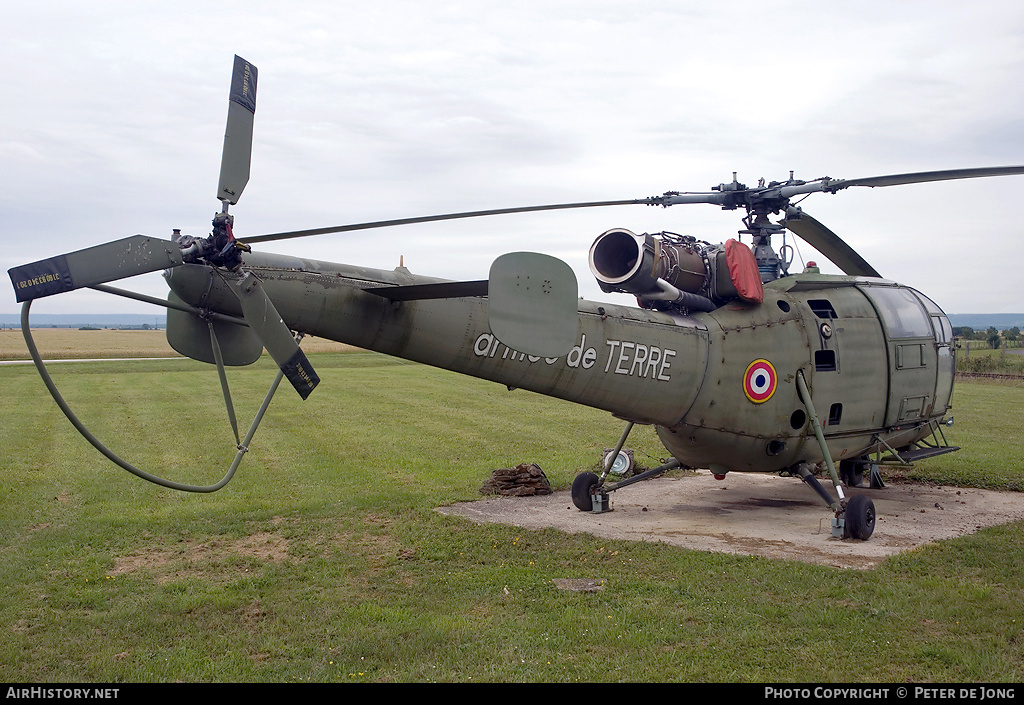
(113, 113)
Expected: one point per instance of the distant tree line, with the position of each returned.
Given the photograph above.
(991, 335)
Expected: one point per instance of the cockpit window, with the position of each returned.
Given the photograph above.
(941, 326)
(901, 312)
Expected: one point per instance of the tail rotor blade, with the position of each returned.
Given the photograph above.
(263, 318)
(119, 259)
(237, 155)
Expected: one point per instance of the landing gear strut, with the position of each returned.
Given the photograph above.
(589, 494)
(589, 491)
(854, 518)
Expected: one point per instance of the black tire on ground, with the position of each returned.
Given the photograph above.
(581, 487)
(860, 517)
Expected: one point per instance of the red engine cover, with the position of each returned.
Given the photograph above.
(743, 271)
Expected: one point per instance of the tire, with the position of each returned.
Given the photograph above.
(851, 472)
(860, 517)
(581, 487)
(856, 476)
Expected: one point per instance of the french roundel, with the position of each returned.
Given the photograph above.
(759, 381)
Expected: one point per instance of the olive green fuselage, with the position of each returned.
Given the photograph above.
(701, 379)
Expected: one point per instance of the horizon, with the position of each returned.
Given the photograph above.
(975, 320)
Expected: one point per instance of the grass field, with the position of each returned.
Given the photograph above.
(69, 343)
(987, 360)
(324, 559)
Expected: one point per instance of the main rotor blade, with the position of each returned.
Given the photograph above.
(917, 177)
(237, 154)
(828, 243)
(925, 176)
(119, 259)
(262, 317)
(446, 216)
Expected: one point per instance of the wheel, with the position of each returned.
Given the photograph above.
(581, 487)
(851, 472)
(860, 517)
(856, 475)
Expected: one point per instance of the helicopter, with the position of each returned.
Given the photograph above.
(739, 363)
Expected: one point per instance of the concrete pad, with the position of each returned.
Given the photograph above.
(760, 515)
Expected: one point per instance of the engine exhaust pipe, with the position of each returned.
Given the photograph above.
(624, 261)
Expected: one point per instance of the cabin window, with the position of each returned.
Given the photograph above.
(901, 312)
(835, 414)
(941, 327)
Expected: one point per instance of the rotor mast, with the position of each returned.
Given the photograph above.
(758, 203)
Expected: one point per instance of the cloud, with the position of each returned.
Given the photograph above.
(113, 117)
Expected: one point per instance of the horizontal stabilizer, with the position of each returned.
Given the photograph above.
(418, 292)
(119, 259)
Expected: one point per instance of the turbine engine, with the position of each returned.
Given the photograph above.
(666, 270)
